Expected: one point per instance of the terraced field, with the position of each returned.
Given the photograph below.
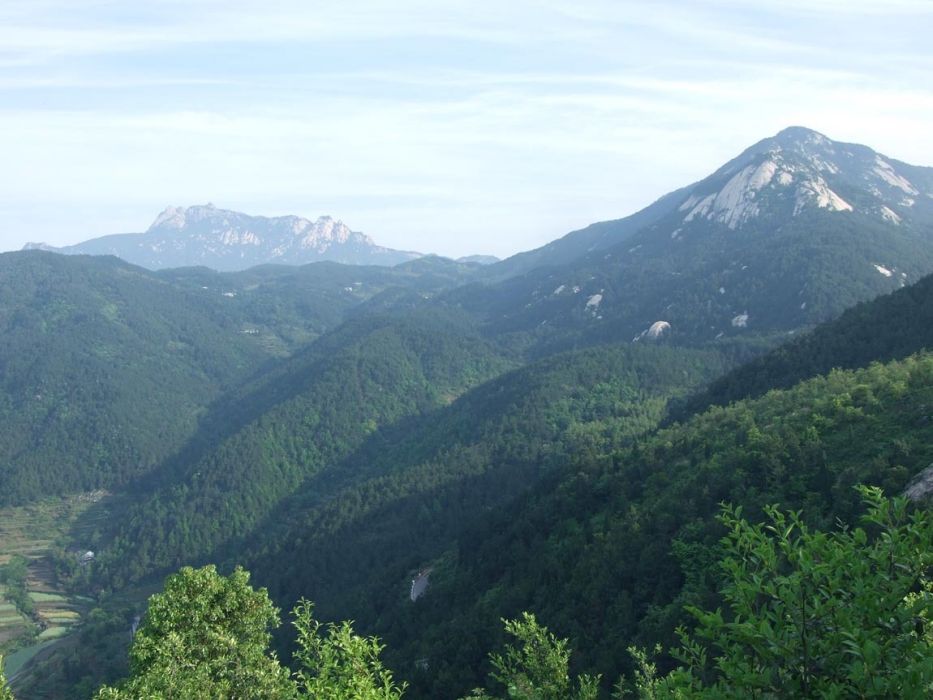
(13, 624)
(46, 612)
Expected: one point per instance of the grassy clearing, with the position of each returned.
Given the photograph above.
(58, 615)
(40, 597)
(53, 633)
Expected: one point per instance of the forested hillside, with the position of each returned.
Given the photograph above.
(610, 554)
(303, 417)
(890, 327)
(353, 538)
(106, 368)
(286, 306)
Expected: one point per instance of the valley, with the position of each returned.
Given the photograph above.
(432, 448)
(41, 556)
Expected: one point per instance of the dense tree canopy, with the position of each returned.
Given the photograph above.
(839, 614)
(205, 636)
(5, 693)
(538, 668)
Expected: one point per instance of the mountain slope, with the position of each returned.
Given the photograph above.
(266, 438)
(106, 368)
(609, 553)
(350, 538)
(103, 369)
(788, 234)
(577, 244)
(228, 240)
(890, 327)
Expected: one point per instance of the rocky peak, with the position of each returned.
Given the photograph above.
(229, 240)
(800, 169)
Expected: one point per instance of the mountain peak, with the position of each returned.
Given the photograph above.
(800, 135)
(800, 169)
(792, 139)
(203, 234)
(170, 217)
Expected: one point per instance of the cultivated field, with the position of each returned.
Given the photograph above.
(46, 612)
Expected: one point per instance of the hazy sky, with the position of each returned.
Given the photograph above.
(442, 126)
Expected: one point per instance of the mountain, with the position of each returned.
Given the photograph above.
(610, 552)
(269, 436)
(782, 175)
(227, 240)
(480, 259)
(786, 235)
(106, 368)
(371, 423)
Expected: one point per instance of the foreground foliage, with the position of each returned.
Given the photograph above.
(207, 637)
(5, 693)
(538, 669)
(841, 614)
(337, 663)
(814, 614)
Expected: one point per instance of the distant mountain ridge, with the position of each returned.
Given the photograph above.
(227, 240)
(799, 169)
(786, 235)
(338, 429)
(793, 172)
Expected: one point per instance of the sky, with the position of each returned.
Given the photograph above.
(442, 126)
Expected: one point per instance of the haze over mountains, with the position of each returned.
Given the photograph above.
(339, 428)
(784, 176)
(228, 240)
(789, 233)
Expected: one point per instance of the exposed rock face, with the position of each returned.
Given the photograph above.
(229, 240)
(654, 331)
(800, 167)
(658, 328)
(921, 486)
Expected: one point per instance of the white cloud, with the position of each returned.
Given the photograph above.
(449, 126)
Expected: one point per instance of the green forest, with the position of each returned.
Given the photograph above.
(444, 480)
(807, 613)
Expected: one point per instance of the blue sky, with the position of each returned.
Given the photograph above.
(441, 126)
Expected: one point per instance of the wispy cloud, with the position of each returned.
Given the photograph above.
(452, 126)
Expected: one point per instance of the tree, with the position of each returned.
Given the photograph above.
(337, 663)
(538, 669)
(206, 636)
(812, 614)
(5, 692)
